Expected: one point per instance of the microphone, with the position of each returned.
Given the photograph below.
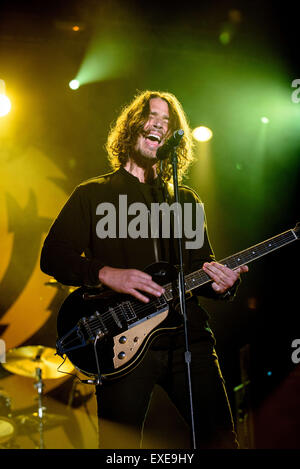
(164, 151)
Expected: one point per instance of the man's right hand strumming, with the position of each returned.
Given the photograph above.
(130, 281)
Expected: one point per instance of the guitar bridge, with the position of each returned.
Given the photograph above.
(73, 340)
(82, 334)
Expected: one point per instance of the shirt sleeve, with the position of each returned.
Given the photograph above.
(62, 254)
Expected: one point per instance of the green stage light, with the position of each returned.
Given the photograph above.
(74, 84)
(225, 38)
(202, 134)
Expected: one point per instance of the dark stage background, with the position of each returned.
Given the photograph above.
(230, 63)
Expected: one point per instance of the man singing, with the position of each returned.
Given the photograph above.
(76, 254)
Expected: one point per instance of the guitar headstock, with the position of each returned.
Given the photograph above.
(296, 230)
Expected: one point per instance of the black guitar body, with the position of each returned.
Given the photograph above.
(116, 327)
(106, 334)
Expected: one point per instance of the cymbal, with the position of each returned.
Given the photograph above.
(26, 360)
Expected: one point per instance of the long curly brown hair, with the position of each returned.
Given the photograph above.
(130, 123)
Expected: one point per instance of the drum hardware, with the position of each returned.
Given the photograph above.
(5, 404)
(7, 425)
(40, 363)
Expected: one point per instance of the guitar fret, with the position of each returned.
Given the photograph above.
(258, 250)
(199, 277)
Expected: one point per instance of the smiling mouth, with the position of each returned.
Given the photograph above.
(153, 139)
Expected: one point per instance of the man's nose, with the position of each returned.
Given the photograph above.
(157, 123)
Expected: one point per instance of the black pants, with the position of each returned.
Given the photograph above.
(125, 402)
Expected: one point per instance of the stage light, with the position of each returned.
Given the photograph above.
(202, 134)
(225, 38)
(265, 120)
(235, 16)
(74, 84)
(75, 28)
(5, 104)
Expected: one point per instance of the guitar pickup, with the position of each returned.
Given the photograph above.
(94, 326)
(128, 311)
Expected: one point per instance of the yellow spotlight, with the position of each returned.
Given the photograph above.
(74, 84)
(202, 134)
(5, 104)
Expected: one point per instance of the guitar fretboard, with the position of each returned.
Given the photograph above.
(199, 277)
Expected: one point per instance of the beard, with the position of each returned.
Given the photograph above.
(145, 150)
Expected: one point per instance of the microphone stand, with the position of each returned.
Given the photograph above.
(181, 288)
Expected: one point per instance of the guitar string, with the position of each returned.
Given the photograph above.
(107, 316)
(200, 274)
(277, 242)
(109, 320)
(94, 328)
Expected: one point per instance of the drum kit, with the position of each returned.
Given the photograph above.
(40, 363)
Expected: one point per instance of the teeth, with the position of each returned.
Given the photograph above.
(154, 137)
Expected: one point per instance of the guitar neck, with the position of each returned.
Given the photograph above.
(199, 277)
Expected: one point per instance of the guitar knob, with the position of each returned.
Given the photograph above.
(122, 355)
(123, 339)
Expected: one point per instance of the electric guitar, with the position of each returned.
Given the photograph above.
(104, 333)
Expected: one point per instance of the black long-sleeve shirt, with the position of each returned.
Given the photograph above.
(73, 252)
